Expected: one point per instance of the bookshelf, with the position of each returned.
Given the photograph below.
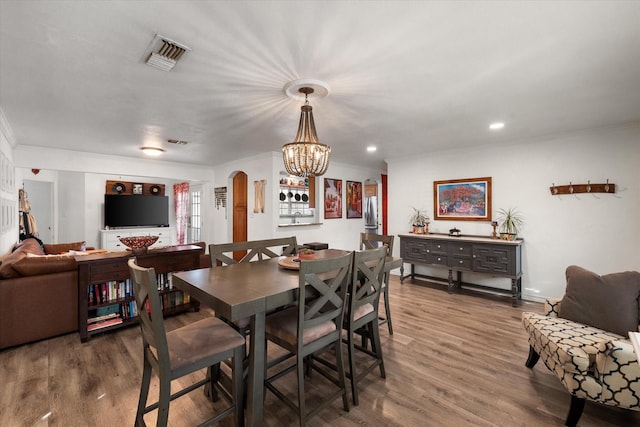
(105, 297)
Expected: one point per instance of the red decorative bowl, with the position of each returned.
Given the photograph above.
(138, 244)
(306, 255)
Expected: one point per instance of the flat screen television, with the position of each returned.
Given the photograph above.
(136, 211)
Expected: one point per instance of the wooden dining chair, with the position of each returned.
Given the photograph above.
(311, 328)
(249, 251)
(181, 352)
(372, 241)
(361, 317)
(256, 250)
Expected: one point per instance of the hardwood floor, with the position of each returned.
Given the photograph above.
(454, 360)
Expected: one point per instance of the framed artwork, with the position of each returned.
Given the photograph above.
(332, 198)
(462, 199)
(137, 188)
(354, 199)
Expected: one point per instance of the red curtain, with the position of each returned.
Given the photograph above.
(181, 204)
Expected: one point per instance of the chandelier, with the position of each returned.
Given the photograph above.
(305, 156)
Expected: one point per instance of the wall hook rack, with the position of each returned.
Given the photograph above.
(582, 188)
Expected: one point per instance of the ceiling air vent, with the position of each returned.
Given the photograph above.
(165, 53)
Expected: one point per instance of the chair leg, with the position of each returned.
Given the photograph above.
(575, 411)
(341, 375)
(377, 346)
(301, 406)
(387, 309)
(144, 393)
(163, 401)
(352, 367)
(213, 375)
(532, 359)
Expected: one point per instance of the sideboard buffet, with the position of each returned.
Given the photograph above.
(495, 257)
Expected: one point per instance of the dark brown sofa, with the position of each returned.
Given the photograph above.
(38, 293)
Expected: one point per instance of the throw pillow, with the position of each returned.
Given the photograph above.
(44, 264)
(6, 269)
(608, 302)
(60, 248)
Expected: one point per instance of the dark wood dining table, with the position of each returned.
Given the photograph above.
(250, 290)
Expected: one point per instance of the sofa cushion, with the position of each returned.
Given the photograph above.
(6, 269)
(28, 246)
(33, 265)
(607, 302)
(59, 248)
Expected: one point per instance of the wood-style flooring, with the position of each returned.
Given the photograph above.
(454, 360)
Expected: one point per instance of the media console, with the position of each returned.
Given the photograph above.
(500, 258)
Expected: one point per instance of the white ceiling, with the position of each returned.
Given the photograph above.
(409, 77)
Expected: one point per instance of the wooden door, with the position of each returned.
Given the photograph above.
(240, 191)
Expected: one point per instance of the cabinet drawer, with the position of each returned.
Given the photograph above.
(414, 250)
(438, 259)
(496, 260)
(461, 263)
(460, 249)
(439, 247)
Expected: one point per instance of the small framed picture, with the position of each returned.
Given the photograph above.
(137, 188)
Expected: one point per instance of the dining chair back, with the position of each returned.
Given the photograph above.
(181, 351)
(372, 241)
(311, 328)
(362, 312)
(256, 250)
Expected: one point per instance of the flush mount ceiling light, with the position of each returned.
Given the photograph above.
(152, 151)
(165, 53)
(306, 156)
(496, 125)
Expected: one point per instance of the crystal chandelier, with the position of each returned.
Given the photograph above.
(305, 156)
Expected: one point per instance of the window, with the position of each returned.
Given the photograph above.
(195, 217)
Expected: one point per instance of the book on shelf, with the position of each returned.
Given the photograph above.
(104, 323)
(103, 317)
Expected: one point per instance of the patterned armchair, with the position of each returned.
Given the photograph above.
(591, 363)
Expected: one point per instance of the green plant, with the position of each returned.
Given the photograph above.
(419, 217)
(510, 221)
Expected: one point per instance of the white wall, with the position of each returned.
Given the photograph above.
(596, 231)
(338, 233)
(79, 185)
(8, 188)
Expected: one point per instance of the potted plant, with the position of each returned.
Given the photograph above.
(510, 222)
(419, 220)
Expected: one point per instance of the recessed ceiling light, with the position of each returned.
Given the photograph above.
(496, 125)
(371, 148)
(152, 151)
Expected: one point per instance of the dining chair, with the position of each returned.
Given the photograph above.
(312, 328)
(361, 317)
(248, 251)
(372, 241)
(181, 352)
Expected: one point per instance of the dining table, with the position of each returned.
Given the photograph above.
(251, 289)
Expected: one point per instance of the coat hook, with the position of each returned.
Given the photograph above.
(554, 188)
(588, 186)
(606, 187)
(570, 188)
